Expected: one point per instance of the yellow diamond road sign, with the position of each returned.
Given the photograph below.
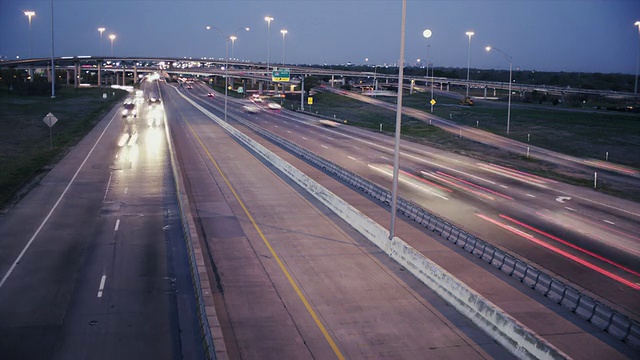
(432, 102)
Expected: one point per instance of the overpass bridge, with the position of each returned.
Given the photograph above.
(257, 71)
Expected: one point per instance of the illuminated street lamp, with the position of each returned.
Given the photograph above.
(470, 34)
(30, 14)
(489, 48)
(427, 34)
(268, 19)
(112, 37)
(101, 30)
(635, 89)
(233, 43)
(283, 32)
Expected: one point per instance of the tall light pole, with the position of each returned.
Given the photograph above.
(30, 14)
(375, 74)
(396, 150)
(427, 34)
(112, 37)
(101, 30)
(269, 19)
(635, 89)
(283, 32)
(489, 48)
(470, 34)
(233, 43)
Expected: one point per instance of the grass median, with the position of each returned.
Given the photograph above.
(25, 151)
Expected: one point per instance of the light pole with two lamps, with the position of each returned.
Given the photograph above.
(489, 48)
(427, 34)
(226, 67)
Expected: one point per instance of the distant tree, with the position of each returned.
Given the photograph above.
(310, 82)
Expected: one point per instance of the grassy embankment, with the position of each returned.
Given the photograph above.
(25, 151)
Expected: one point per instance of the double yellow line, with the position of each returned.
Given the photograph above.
(304, 300)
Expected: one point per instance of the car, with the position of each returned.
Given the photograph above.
(189, 87)
(251, 109)
(153, 99)
(211, 95)
(129, 112)
(274, 106)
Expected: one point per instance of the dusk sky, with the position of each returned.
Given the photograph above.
(560, 35)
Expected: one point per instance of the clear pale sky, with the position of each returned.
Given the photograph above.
(559, 35)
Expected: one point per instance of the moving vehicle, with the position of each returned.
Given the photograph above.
(274, 106)
(129, 112)
(211, 95)
(251, 109)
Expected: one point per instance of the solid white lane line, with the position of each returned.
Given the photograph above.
(101, 288)
(529, 195)
(609, 222)
(55, 206)
(117, 225)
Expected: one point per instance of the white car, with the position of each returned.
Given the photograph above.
(274, 106)
(251, 109)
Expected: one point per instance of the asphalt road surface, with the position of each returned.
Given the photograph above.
(92, 261)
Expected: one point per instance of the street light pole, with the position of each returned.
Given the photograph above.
(112, 37)
(283, 32)
(427, 34)
(30, 14)
(268, 19)
(470, 34)
(635, 88)
(226, 80)
(53, 65)
(396, 151)
(510, 59)
(101, 30)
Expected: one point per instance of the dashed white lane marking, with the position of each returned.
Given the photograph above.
(609, 222)
(529, 195)
(304, 138)
(384, 157)
(117, 225)
(352, 158)
(107, 189)
(502, 186)
(101, 288)
(570, 209)
(326, 147)
(126, 190)
(289, 131)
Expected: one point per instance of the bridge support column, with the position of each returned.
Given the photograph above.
(76, 74)
(440, 85)
(485, 92)
(30, 74)
(411, 87)
(124, 76)
(48, 75)
(135, 73)
(332, 80)
(260, 88)
(447, 87)
(100, 73)
(68, 76)
(494, 92)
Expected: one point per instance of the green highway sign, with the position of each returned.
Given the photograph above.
(282, 75)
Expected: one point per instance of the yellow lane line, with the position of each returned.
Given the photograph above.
(324, 331)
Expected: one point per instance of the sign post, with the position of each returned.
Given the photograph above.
(50, 120)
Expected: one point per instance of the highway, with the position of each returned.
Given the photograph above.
(587, 238)
(93, 263)
(514, 210)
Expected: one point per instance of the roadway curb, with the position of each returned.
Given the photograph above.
(210, 330)
(514, 336)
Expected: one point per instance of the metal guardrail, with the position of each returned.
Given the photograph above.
(600, 315)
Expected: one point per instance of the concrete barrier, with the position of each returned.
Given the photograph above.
(514, 336)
